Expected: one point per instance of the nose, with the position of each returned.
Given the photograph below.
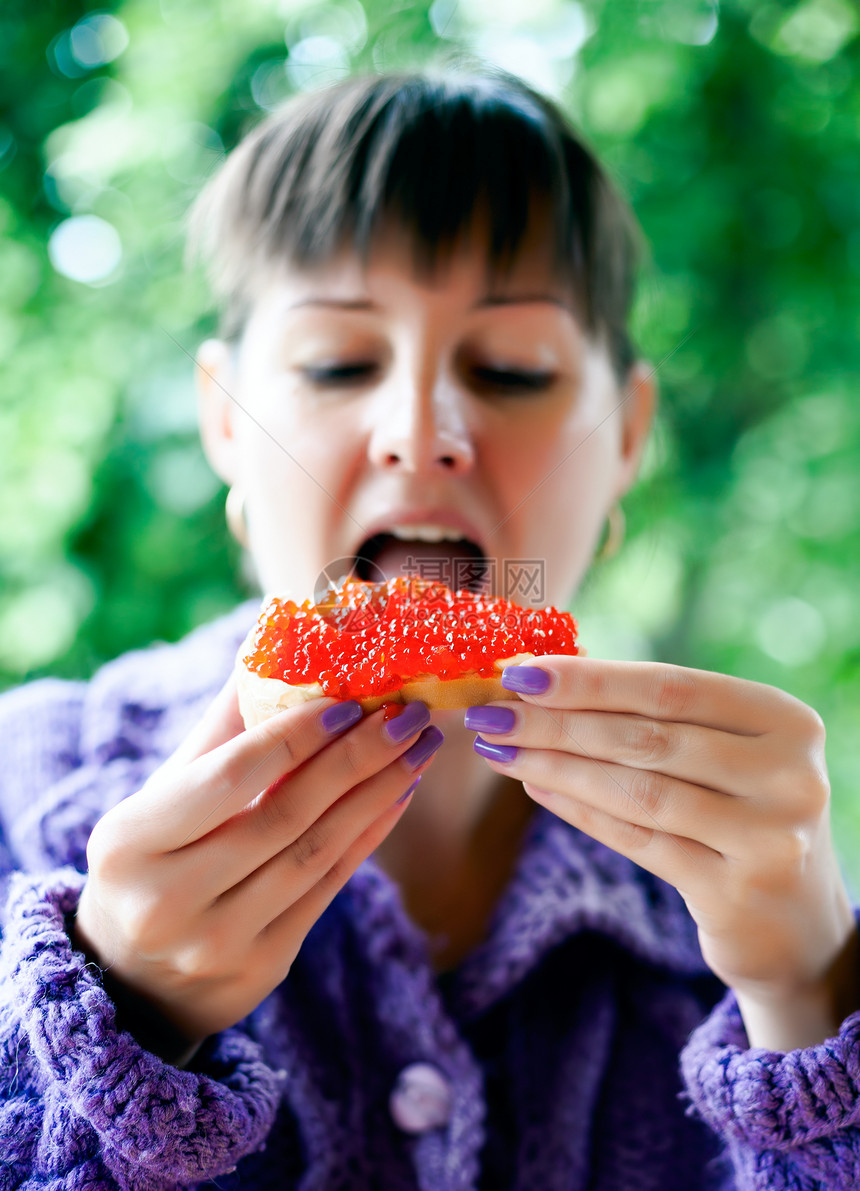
(420, 425)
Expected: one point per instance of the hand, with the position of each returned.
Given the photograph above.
(203, 885)
(715, 784)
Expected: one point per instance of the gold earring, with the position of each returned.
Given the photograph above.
(616, 526)
(234, 511)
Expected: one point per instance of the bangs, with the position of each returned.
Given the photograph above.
(428, 161)
(332, 169)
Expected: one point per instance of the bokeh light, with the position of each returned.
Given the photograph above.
(85, 248)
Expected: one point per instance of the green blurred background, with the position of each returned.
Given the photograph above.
(732, 127)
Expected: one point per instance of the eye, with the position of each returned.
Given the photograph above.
(334, 375)
(513, 379)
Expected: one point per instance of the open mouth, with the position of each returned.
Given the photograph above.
(459, 564)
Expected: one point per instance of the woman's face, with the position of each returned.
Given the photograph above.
(361, 399)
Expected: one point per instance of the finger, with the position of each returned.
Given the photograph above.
(359, 775)
(722, 761)
(282, 934)
(691, 866)
(181, 803)
(296, 870)
(640, 796)
(656, 690)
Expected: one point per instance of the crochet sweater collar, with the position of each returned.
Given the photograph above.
(564, 882)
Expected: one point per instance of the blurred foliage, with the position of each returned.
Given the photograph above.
(733, 128)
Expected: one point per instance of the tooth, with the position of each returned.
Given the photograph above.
(425, 533)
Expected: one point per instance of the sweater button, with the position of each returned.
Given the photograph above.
(421, 1099)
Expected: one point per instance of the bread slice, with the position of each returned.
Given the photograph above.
(260, 698)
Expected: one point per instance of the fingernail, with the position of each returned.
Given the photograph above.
(411, 789)
(424, 747)
(526, 680)
(340, 716)
(490, 719)
(413, 717)
(503, 753)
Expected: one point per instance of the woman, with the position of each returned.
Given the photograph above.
(304, 973)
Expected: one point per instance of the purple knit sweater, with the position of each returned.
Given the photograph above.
(583, 1044)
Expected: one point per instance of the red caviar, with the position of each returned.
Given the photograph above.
(366, 639)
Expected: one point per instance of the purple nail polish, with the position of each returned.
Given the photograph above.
(413, 717)
(424, 747)
(505, 754)
(490, 719)
(411, 789)
(526, 680)
(340, 716)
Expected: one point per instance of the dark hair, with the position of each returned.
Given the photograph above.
(425, 149)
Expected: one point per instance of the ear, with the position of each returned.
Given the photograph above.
(215, 380)
(640, 403)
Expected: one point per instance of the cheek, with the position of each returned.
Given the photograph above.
(561, 485)
(584, 470)
(287, 445)
(289, 464)
(560, 452)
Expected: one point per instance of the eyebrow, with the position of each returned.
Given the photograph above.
(482, 303)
